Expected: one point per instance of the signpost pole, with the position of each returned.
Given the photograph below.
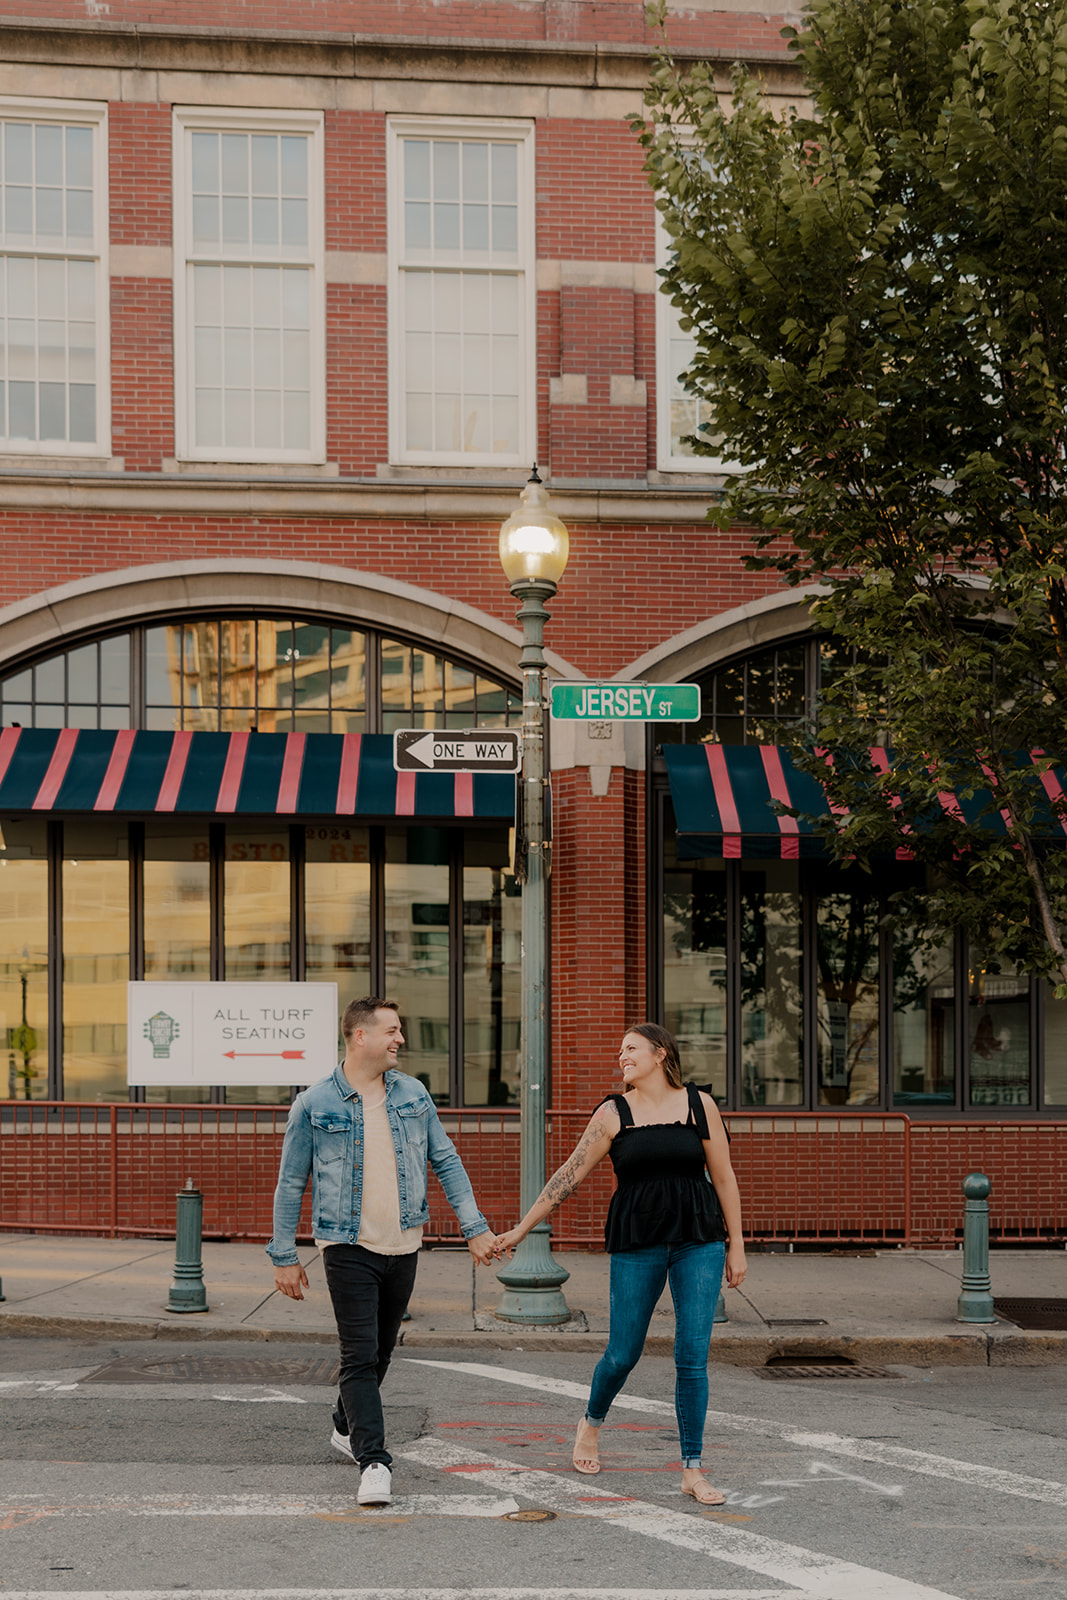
(532, 1279)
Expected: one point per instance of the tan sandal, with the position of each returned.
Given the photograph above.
(702, 1492)
(584, 1461)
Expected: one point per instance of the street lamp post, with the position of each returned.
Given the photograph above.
(533, 552)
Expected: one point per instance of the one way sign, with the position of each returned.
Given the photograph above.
(465, 750)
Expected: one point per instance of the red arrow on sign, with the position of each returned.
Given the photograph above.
(286, 1055)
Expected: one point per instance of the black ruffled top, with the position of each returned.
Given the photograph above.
(664, 1193)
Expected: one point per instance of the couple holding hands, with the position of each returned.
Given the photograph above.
(365, 1135)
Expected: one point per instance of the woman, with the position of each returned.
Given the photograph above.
(666, 1224)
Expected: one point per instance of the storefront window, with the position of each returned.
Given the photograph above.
(177, 918)
(998, 1033)
(771, 1001)
(257, 913)
(924, 1025)
(492, 966)
(96, 958)
(337, 940)
(24, 958)
(694, 954)
(417, 949)
(846, 955)
(1055, 1048)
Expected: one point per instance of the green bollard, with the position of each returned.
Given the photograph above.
(720, 1311)
(187, 1292)
(975, 1303)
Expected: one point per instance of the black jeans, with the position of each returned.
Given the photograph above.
(370, 1294)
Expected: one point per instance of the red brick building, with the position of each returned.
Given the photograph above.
(292, 296)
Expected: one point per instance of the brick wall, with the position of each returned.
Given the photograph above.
(811, 1178)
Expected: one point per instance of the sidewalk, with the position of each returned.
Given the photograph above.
(876, 1307)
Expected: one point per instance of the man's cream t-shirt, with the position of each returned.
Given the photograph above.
(379, 1211)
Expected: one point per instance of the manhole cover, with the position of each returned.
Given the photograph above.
(841, 1367)
(219, 1369)
(528, 1516)
(1050, 1315)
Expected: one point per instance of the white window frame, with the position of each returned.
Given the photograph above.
(667, 320)
(94, 114)
(216, 120)
(522, 135)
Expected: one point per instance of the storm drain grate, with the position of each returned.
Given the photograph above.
(1049, 1315)
(795, 1322)
(219, 1369)
(814, 1366)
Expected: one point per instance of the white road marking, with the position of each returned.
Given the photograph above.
(407, 1594)
(826, 1469)
(816, 1576)
(33, 1507)
(890, 1455)
(276, 1395)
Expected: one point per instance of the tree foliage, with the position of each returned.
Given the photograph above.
(877, 285)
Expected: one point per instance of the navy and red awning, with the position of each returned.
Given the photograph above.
(274, 774)
(727, 801)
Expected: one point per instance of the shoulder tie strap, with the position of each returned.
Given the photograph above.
(697, 1115)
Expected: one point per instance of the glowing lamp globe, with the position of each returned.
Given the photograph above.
(534, 543)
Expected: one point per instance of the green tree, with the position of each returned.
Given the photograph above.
(877, 285)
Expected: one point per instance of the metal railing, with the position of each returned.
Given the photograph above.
(824, 1177)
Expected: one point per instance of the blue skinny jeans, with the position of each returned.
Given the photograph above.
(694, 1272)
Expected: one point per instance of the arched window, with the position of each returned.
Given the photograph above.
(421, 907)
(277, 674)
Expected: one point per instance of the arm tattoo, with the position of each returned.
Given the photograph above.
(569, 1176)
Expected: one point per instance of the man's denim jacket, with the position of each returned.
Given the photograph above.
(324, 1140)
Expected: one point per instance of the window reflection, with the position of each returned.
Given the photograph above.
(1055, 1048)
(492, 964)
(771, 1010)
(24, 958)
(96, 958)
(417, 949)
(924, 1028)
(694, 946)
(256, 875)
(998, 1033)
(177, 918)
(337, 909)
(847, 921)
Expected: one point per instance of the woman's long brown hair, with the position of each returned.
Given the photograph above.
(662, 1040)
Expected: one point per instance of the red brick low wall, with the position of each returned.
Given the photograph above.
(805, 1177)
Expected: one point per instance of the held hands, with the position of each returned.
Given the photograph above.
(506, 1242)
(291, 1281)
(483, 1247)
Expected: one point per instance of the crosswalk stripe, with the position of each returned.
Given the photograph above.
(26, 1508)
(408, 1594)
(816, 1576)
(1046, 1490)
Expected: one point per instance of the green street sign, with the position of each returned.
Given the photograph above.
(626, 702)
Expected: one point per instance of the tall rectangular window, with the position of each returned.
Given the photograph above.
(461, 293)
(53, 278)
(679, 415)
(249, 320)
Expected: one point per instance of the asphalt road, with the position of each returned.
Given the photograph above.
(206, 1469)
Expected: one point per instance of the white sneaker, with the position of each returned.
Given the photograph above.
(375, 1486)
(342, 1442)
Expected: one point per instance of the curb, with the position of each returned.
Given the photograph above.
(1000, 1347)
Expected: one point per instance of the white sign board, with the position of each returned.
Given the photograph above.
(208, 1033)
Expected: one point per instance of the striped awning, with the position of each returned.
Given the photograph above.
(725, 797)
(221, 774)
(726, 800)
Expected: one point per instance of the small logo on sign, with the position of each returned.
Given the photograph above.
(162, 1031)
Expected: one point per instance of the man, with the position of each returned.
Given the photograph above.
(364, 1135)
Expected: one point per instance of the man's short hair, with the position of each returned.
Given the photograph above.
(360, 1013)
